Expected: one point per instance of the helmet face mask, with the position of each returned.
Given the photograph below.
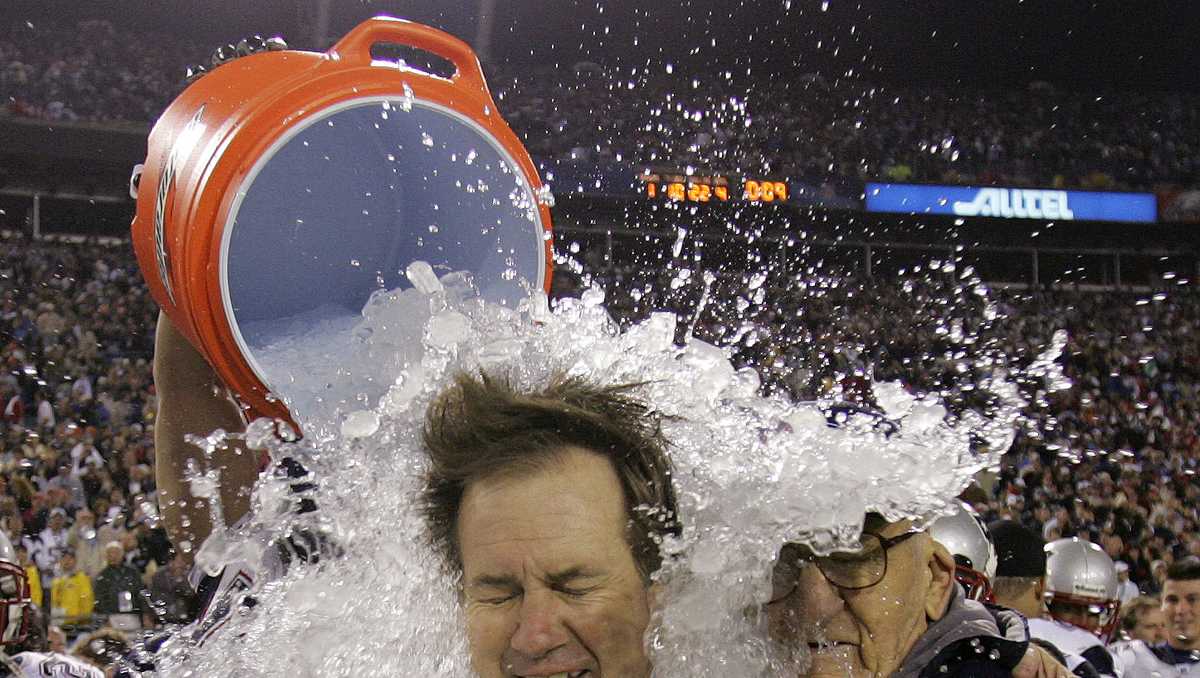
(976, 584)
(14, 597)
(1099, 617)
(966, 537)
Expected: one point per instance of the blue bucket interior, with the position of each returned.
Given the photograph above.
(343, 206)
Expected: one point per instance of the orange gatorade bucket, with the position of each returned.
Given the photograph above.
(285, 184)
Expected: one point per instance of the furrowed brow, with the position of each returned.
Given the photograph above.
(569, 575)
(492, 581)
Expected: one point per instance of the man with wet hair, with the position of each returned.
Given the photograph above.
(1179, 655)
(892, 608)
(550, 503)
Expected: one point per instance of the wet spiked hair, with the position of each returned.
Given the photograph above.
(482, 426)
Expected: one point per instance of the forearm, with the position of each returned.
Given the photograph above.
(192, 401)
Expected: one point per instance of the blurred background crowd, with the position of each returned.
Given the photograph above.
(833, 134)
(77, 495)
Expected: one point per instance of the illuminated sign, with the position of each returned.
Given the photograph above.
(1011, 203)
(716, 188)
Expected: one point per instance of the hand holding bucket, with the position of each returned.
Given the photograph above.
(283, 189)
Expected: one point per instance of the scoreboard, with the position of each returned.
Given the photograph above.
(716, 188)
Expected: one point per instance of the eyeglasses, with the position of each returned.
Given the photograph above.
(848, 570)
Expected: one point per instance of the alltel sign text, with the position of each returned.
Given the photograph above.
(1011, 203)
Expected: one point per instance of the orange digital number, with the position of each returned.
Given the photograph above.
(698, 192)
(722, 192)
(765, 191)
(652, 190)
(675, 191)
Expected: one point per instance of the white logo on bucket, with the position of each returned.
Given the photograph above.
(1022, 203)
(182, 146)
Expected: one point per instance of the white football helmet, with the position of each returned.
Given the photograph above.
(966, 537)
(14, 595)
(1082, 587)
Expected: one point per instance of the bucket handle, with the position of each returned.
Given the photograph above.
(356, 46)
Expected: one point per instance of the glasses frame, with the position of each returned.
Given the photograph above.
(885, 545)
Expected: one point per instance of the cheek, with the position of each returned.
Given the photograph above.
(488, 632)
(614, 632)
(888, 614)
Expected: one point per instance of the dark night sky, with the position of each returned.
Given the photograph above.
(1146, 44)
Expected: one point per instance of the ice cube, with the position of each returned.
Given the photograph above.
(360, 424)
(421, 275)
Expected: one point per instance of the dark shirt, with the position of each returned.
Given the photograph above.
(111, 583)
(1169, 655)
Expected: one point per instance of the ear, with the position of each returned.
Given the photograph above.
(941, 581)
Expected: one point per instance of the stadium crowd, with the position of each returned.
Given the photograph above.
(829, 134)
(77, 488)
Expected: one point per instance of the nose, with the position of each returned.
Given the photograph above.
(816, 599)
(540, 628)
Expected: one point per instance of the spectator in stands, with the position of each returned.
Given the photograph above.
(71, 597)
(118, 587)
(31, 574)
(1128, 590)
(52, 541)
(85, 540)
(174, 599)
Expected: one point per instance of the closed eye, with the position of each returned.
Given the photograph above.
(574, 592)
(496, 600)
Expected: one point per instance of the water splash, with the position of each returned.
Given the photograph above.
(752, 472)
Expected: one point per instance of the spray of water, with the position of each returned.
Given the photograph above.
(752, 472)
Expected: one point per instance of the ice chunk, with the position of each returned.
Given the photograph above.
(447, 329)
(421, 275)
(360, 424)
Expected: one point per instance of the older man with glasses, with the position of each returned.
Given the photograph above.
(891, 608)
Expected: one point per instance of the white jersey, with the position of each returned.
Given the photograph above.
(1072, 640)
(54, 665)
(1141, 661)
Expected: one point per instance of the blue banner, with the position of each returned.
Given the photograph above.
(1012, 203)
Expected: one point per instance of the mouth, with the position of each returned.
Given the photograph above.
(829, 645)
(832, 649)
